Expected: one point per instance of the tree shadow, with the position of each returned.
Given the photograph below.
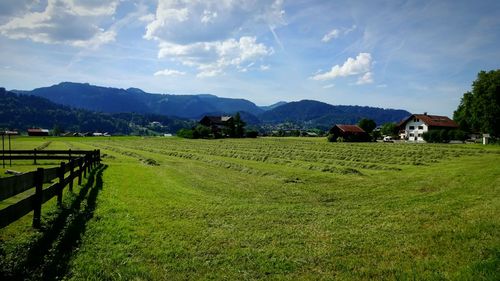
(47, 256)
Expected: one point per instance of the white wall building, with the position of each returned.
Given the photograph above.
(414, 127)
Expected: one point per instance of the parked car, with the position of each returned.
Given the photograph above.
(388, 139)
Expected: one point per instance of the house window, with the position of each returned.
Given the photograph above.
(412, 127)
(416, 120)
(420, 127)
(419, 135)
(411, 135)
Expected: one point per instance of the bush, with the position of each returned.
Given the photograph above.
(444, 136)
(251, 134)
(331, 138)
(202, 132)
(185, 133)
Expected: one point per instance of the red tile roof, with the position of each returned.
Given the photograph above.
(433, 120)
(350, 128)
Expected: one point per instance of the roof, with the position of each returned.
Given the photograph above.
(37, 130)
(217, 119)
(350, 128)
(433, 120)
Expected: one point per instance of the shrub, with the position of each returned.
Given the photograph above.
(331, 138)
(251, 134)
(185, 133)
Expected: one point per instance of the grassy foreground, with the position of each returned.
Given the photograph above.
(170, 209)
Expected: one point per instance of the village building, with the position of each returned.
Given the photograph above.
(349, 133)
(38, 132)
(215, 123)
(414, 127)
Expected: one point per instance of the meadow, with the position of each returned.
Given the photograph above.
(267, 208)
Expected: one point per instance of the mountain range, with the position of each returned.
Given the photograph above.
(304, 113)
(20, 112)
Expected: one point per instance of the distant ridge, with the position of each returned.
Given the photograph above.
(305, 113)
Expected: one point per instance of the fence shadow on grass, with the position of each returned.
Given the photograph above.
(47, 257)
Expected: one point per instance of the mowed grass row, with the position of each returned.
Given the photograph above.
(172, 209)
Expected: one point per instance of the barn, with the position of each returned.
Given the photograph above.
(38, 132)
(351, 133)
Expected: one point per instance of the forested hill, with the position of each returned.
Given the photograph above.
(114, 100)
(323, 115)
(21, 112)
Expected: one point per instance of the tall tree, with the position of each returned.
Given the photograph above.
(479, 110)
(367, 124)
(239, 126)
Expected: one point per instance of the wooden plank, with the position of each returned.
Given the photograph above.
(50, 192)
(38, 157)
(16, 211)
(11, 186)
(50, 174)
(51, 152)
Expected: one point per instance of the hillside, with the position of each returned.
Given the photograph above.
(323, 115)
(21, 112)
(114, 100)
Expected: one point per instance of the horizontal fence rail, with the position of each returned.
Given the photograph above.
(79, 163)
(39, 154)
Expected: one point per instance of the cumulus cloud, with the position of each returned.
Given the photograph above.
(211, 58)
(212, 43)
(361, 65)
(169, 72)
(73, 22)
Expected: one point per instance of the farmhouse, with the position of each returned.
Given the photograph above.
(413, 127)
(216, 123)
(38, 132)
(349, 133)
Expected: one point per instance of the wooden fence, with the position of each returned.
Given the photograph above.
(79, 163)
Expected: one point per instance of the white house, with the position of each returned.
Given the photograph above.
(413, 127)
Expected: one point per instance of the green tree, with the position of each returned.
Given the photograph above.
(367, 124)
(389, 129)
(479, 110)
(239, 126)
(202, 132)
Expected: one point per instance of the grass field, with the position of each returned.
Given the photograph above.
(270, 208)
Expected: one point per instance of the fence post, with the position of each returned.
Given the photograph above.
(37, 204)
(60, 174)
(85, 164)
(69, 152)
(34, 156)
(88, 162)
(80, 165)
(98, 156)
(71, 167)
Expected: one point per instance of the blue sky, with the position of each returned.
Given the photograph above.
(414, 55)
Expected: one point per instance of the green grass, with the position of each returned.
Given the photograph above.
(272, 208)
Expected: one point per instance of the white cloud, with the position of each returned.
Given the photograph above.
(367, 78)
(205, 34)
(329, 86)
(360, 65)
(212, 58)
(335, 33)
(169, 72)
(331, 35)
(69, 22)
(208, 16)
(265, 67)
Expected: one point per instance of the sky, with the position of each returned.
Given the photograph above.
(420, 56)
